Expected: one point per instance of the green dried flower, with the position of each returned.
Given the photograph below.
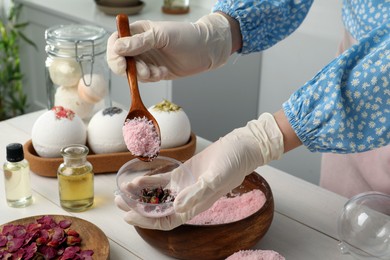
(166, 106)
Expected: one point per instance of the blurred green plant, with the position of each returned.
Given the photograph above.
(13, 100)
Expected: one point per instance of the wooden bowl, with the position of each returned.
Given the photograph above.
(102, 163)
(216, 241)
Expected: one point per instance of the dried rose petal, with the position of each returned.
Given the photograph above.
(30, 251)
(70, 252)
(71, 240)
(19, 231)
(53, 243)
(86, 254)
(14, 244)
(8, 229)
(64, 224)
(18, 255)
(47, 251)
(58, 234)
(6, 255)
(29, 238)
(72, 232)
(47, 222)
(41, 241)
(33, 227)
(3, 241)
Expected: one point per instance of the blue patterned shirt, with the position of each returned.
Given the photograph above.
(345, 108)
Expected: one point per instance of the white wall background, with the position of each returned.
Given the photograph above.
(4, 8)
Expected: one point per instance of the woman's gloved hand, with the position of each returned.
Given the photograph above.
(218, 169)
(169, 50)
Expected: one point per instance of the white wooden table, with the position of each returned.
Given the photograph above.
(304, 225)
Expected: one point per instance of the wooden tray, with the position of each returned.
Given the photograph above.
(92, 237)
(102, 163)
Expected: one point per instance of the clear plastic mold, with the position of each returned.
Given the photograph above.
(364, 226)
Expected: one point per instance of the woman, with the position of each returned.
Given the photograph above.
(345, 108)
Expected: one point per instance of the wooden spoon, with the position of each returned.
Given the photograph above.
(137, 108)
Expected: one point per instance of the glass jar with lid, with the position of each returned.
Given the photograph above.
(77, 75)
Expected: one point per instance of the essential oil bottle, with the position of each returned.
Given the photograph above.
(75, 179)
(17, 177)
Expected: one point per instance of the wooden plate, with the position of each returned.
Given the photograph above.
(102, 163)
(92, 237)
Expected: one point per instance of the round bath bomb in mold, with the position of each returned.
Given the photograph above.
(69, 98)
(105, 131)
(55, 129)
(95, 90)
(175, 126)
(64, 72)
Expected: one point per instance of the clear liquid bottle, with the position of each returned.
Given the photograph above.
(17, 177)
(75, 179)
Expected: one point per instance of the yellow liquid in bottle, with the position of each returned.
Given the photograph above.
(76, 187)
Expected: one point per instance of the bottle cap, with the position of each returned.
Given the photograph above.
(15, 152)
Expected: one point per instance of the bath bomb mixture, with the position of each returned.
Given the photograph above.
(69, 98)
(56, 128)
(175, 127)
(95, 90)
(105, 131)
(141, 137)
(256, 255)
(64, 72)
(230, 209)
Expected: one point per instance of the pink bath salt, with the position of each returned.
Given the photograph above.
(256, 255)
(230, 209)
(141, 137)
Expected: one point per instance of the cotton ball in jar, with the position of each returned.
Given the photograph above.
(68, 97)
(55, 129)
(64, 72)
(105, 131)
(92, 89)
(175, 127)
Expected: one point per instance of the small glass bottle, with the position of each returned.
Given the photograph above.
(176, 6)
(17, 177)
(75, 179)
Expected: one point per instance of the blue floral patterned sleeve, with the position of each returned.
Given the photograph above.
(345, 108)
(264, 23)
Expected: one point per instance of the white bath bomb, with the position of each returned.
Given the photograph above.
(55, 129)
(64, 72)
(69, 98)
(175, 126)
(105, 131)
(95, 90)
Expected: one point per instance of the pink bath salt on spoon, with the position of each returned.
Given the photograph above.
(141, 137)
(141, 131)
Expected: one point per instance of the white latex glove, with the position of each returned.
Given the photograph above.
(218, 169)
(169, 50)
